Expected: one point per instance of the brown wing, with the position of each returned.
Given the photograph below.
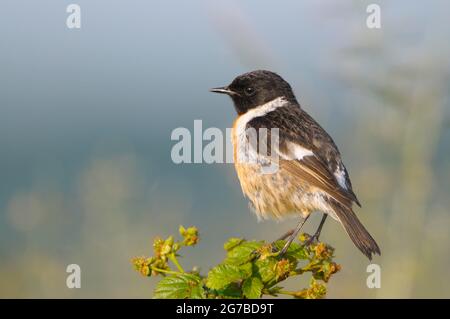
(313, 171)
(320, 157)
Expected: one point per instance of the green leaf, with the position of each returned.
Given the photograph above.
(241, 253)
(232, 291)
(246, 269)
(266, 269)
(252, 287)
(180, 287)
(223, 275)
(232, 242)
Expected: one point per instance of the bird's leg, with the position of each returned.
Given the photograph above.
(292, 236)
(316, 235)
(255, 254)
(282, 237)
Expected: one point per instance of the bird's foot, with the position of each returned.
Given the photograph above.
(312, 239)
(275, 253)
(278, 253)
(270, 251)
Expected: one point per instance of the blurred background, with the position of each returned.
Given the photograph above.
(86, 117)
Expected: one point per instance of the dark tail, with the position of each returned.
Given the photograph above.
(358, 234)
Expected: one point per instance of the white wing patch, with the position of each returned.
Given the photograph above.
(340, 176)
(295, 152)
(299, 151)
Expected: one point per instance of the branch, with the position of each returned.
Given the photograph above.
(249, 270)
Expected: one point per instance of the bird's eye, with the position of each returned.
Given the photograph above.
(249, 91)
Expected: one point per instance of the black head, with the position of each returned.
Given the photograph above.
(255, 88)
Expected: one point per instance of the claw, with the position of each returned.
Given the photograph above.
(274, 252)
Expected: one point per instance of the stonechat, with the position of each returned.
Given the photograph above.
(310, 176)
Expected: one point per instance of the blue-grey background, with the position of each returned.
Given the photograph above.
(86, 116)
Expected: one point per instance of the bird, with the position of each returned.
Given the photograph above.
(309, 174)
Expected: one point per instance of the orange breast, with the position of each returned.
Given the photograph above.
(234, 139)
(272, 195)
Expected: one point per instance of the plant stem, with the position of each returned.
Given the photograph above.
(297, 272)
(164, 271)
(272, 293)
(176, 263)
(284, 292)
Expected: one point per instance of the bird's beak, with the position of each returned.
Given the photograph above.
(223, 90)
